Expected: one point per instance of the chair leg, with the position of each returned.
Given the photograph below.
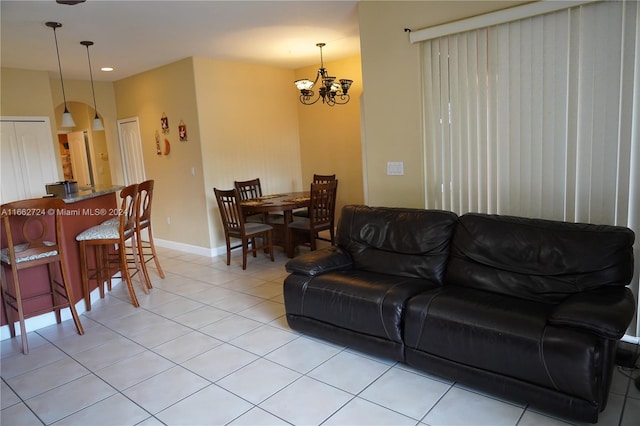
(54, 294)
(270, 243)
(23, 327)
(136, 261)
(312, 237)
(103, 273)
(84, 276)
(228, 250)
(143, 263)
(153, 252)
(8, 310)
(68, 294)
(122, 253)
(245, 249)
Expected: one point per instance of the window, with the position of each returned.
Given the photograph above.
(538, 117)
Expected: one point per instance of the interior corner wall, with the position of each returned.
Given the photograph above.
(179, 209)
(330, 141)
(249, 129)
(392, 127)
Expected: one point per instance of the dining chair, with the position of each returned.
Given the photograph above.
(146, 247)
(247, 190)
(30, 240)
(250, 189)
(316, 179)
(234, 225)
(323, 178)
(108, 235)
(321, 213)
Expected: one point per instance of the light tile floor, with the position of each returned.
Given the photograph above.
(210, 346)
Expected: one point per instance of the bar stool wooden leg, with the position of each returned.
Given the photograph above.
(153, 252)
(84, 275)
(9, 309)
(64, 276)
(122, 252)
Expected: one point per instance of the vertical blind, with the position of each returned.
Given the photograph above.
(538, 117)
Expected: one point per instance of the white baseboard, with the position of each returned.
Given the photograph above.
(188, 248)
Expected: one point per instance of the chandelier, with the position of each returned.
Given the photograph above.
(330, 91)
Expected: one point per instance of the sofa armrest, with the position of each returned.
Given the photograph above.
(605, 312)
(319, 262)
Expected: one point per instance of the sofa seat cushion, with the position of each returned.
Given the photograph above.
(359, 301)
(501, 334)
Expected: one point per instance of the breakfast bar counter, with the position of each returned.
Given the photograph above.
(87, 207)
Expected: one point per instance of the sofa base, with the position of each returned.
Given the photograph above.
(505, 387)
(369, 344)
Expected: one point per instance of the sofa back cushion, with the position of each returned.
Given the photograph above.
(397, 241)
(538, 259)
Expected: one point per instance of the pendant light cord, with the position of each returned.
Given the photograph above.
(64, 97)
(93, 90)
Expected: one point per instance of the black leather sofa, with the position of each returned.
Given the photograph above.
(527, 309)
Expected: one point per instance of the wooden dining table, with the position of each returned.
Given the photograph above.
(285, 203)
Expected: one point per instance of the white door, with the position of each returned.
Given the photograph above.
(131, 150)
(27, 158)
(80, 163)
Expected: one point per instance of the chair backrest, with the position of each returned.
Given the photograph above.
(323, 178)
(34, 225)
(228, 203)
(322, 203)
(128, 212)
(248, 189)
(145, 197)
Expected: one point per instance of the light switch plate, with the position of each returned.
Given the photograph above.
(395, 168)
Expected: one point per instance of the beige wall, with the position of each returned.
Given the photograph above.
(249, 129)
(391, 102)
(178, 195)
(330, 140)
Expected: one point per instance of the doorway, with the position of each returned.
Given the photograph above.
(80, 158)
(131, 150)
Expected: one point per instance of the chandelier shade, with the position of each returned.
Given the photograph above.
(67, 119)
(331, 92)
(97, 123)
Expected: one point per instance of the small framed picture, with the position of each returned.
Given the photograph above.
(182, 131)
(164, 122)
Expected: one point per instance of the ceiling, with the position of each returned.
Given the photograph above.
(135, 36)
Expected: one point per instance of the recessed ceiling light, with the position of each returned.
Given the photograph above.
(106, 69)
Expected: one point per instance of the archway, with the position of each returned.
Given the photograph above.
(90, 164)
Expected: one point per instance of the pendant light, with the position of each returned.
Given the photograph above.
(67, 120)
(97, 124)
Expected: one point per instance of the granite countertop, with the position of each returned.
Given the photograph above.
(86, 192)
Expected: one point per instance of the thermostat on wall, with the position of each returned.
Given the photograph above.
(395, 168)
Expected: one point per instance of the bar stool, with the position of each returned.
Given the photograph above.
(108, 234)
(29, 243)
(146, 248)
